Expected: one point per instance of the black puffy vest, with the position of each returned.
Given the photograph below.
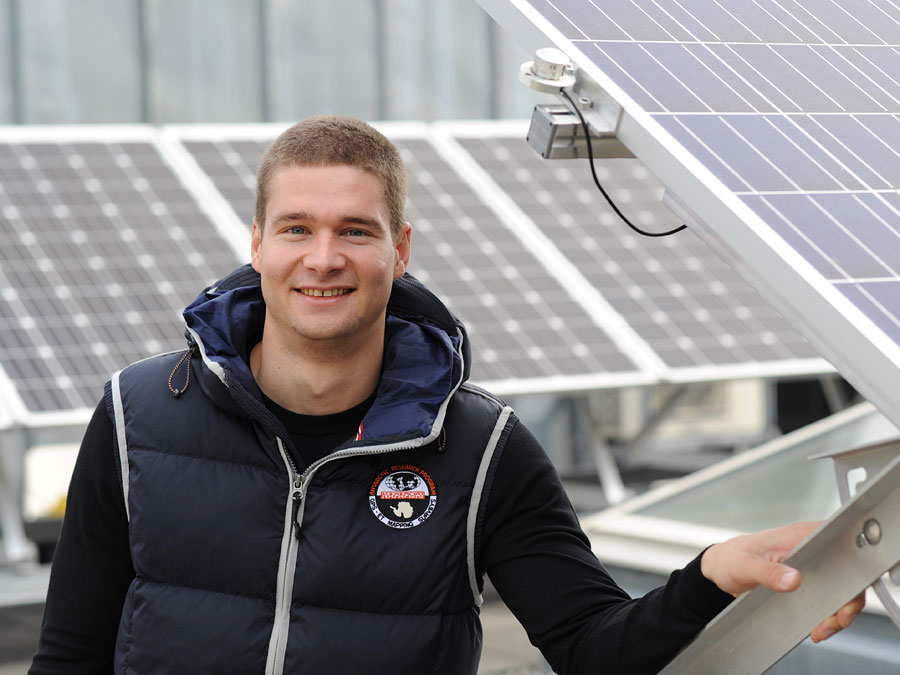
(366, 563)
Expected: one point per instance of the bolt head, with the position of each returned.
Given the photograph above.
(872, 531)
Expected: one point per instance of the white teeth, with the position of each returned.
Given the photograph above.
(320, 293)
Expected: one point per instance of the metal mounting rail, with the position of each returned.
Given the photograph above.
(849, 552)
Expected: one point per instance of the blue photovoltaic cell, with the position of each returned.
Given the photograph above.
(580, 17)
(760, 131)
(821, 159)
(806, 217)
(857, 216)
(880, 299)
(735, 153)
(705, 154)
(823, 133)
(706, 90)
(766, 96)
(871, 88)
(746, 96)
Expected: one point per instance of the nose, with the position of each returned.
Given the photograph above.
(323, 254)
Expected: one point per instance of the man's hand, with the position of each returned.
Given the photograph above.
(740, 564)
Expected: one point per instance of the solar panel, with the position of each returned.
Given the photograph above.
(528, 331)
(692, 309)
(774, 126)
(102, 248)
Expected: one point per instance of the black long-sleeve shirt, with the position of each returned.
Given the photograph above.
(533, 549)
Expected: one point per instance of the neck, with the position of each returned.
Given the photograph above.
(316, 379)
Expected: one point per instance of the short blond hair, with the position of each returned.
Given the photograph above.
(334, 140)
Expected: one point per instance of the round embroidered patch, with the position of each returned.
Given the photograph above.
(403, 496)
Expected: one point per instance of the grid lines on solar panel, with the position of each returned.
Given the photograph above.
(102, 248)
(522, 322)
(689, 306)
(231, 166)
(794, 106)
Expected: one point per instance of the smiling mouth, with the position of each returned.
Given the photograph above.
(319, 293)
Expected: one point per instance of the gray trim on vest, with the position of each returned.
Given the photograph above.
(287, 563)
(119, 413)
(120, 436)
(214, 366)
(480, 479)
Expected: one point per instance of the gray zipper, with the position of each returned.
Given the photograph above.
(287, 561)
(290, 539)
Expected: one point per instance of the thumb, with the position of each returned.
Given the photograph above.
(756, 570)
(778, 576)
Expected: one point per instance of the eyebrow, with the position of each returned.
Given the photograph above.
(306, 216)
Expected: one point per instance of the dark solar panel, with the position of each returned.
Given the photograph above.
(102, 247)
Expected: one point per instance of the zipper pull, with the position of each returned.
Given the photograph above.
(297, 498)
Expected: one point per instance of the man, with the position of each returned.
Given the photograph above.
(313, 487)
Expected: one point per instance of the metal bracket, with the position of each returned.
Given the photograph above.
(848, 553)
(15, 548)
(613, 486)
(556, 133)
(555, 130)
(854, 469)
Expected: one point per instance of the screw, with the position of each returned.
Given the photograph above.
(871, 533)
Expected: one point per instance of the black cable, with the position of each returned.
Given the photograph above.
(590, 149)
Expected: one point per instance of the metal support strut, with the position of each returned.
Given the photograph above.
(849, 552)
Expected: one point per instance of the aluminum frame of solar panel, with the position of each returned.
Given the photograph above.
(103, 245)
(436, 207)
(701, 318)
(853, 328)
(12, 408)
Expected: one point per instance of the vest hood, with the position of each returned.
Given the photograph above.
(426, 355)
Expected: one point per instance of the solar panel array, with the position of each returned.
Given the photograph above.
(789, 116)
(106, 238)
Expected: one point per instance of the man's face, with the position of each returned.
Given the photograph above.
(326, 256)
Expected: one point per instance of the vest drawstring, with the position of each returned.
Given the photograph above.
(187, 380)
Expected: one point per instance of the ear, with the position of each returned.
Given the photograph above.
(255, 240)
(402, 248)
